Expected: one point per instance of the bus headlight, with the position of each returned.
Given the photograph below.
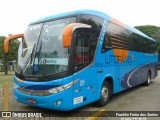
(15, 85)
(62, 88)
(45, 92)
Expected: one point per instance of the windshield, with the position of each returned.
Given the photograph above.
(31, 35)
(48, 55)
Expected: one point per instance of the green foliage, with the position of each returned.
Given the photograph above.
(13, 48)
(151, 31)
(2, 38)
(148, 29)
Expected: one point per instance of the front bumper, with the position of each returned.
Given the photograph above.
(48, 101)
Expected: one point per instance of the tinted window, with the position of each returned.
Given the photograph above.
(86, 41)
(82, 53)
(96, 23)
(117, 37)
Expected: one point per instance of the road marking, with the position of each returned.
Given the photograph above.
(97, 115)
(5, 97)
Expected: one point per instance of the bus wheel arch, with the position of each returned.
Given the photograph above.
(106, 92)
(110, 82)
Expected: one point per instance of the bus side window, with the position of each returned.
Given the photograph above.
(81, 57)
(106, 44)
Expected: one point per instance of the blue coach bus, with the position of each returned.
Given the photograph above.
(69, 60)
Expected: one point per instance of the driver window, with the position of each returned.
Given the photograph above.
(81, 57)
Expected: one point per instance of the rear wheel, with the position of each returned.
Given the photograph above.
(147, 83)
(105, 94)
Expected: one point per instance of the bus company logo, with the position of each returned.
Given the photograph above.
(49, 61)
(44, 61)
(121, 55)
(119, 58)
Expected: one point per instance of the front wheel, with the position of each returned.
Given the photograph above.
(105, 95)
(147, 83)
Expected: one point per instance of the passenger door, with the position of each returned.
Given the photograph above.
(83, 91)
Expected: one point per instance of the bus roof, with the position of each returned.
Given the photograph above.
(91, 12)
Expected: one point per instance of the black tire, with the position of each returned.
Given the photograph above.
(105, 94)
(148, 81)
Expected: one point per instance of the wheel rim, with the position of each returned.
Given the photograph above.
(104, 94)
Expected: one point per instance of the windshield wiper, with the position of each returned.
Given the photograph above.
(36, 59)
(25, 65)
(38, 53)
(32, 54)
(29, 59)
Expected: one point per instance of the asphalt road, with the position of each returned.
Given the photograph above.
(139, 98)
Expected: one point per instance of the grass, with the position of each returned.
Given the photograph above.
(6, 78)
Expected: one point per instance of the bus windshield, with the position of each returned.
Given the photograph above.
(31, 35)
(47, 55)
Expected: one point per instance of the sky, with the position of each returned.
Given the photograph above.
(17, 14)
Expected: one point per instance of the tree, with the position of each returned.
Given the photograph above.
(148, 29)
(2, 38)
(151, 31)
(12, 54)
(13, 50)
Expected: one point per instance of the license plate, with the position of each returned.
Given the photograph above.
(30, 100)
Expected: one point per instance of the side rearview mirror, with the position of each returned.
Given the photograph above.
(8, 39)
(68, 32)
